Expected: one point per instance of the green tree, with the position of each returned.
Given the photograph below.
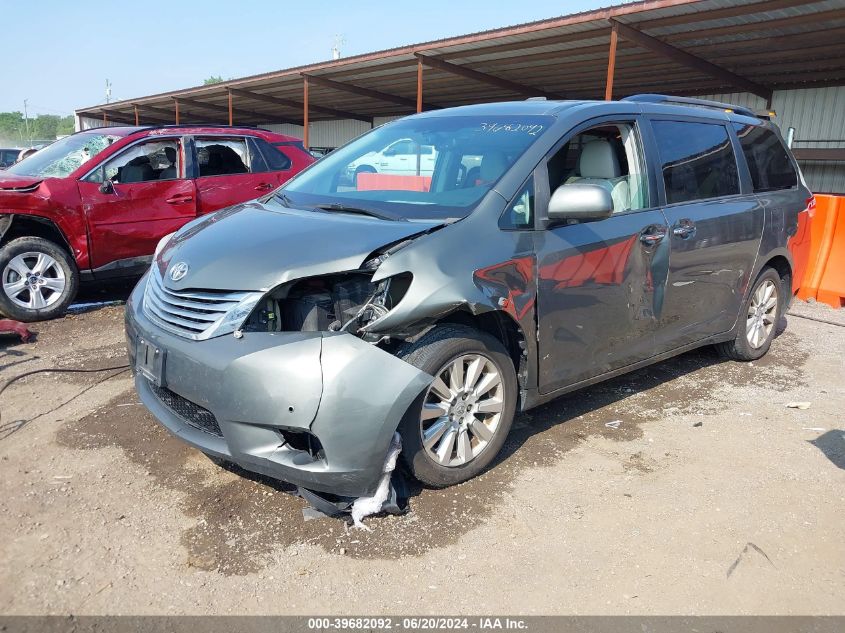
(44, 127)
(213, 80)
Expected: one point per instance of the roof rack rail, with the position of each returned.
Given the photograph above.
(690, 101)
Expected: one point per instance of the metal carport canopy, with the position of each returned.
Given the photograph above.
(683, 47)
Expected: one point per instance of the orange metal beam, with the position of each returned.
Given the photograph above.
(688, 59)
(365, 92)
(292, 103)
(476, 75)
(137, 119)
(305, 111)
(419, 84)
(231, 115)
(611, 64)
(176, 106)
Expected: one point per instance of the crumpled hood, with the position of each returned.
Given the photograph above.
(13, 181)
(257, 246)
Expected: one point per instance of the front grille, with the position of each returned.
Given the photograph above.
(188, 313)
(193, 414)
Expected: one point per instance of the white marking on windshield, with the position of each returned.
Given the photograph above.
(531, 130)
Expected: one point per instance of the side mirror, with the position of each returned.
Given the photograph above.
(107, 186)
(580, 202)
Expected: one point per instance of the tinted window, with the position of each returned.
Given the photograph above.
(767, 158)
(257, 164)
(276, 159)
(697, 160)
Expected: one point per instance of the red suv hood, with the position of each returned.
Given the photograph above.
(13, 181)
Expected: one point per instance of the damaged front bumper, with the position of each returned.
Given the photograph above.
(315, 409)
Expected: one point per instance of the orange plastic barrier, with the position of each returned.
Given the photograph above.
(392, 182)
(824, 278)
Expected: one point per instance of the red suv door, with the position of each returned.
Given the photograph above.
(230, 170)
(135, 198)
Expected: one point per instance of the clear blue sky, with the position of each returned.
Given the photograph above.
(59, 53)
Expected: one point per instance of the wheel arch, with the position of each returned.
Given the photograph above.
(501, 326)
(781, 261)
(33, 226)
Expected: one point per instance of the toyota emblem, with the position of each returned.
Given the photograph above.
(178, 271)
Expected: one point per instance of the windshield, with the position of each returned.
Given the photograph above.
(63, 157)
(419, 168)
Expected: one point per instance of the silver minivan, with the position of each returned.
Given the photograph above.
(552, 245)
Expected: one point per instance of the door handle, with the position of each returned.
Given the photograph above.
(179, 199)
(652, 235)
(264, 186)
(684, 229)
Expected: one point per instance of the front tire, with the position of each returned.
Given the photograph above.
(466, 412)
(758, 320)
(38, 279)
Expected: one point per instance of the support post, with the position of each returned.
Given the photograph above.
(105, 118)
(611, 63)
(176, 105)
(305, 111)
(231, 116)
(137, 118)
(419, 85)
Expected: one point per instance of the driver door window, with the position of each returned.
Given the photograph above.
(144, 162)
(609, 156)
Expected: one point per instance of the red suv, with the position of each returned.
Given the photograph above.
(95, 204)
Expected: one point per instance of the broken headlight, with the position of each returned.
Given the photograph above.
(345, 302)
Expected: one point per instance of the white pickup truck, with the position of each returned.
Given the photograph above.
(401, 158)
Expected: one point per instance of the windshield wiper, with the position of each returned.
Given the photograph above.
(342, 208)
(282, 196)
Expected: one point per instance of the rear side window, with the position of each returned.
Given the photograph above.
(697, 160)
(221, 156)
(767, 158)
(276, 159)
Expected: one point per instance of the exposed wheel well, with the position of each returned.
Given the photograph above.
(781, 265)
(503, 328)
(31, 226)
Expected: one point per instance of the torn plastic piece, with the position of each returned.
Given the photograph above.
(7, 326)
(365, 506)
(394, 501)
(613, 425)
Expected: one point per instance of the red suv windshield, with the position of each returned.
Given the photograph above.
(63, 157)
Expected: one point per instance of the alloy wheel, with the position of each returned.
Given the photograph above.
(34, 280)
(462, 410)
(762, 314)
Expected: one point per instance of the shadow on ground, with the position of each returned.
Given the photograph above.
(832, 444)
(243, 521)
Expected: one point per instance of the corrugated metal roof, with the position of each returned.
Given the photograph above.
(775, 43)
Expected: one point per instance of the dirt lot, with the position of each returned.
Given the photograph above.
(711, 497)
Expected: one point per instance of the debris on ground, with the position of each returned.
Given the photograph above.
(613, 425)
(798, 405)
(7, 326)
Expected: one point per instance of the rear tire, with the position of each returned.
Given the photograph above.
(759, 319)
(466, 413)
(38, 279)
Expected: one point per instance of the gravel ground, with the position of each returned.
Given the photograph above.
(711, 497)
